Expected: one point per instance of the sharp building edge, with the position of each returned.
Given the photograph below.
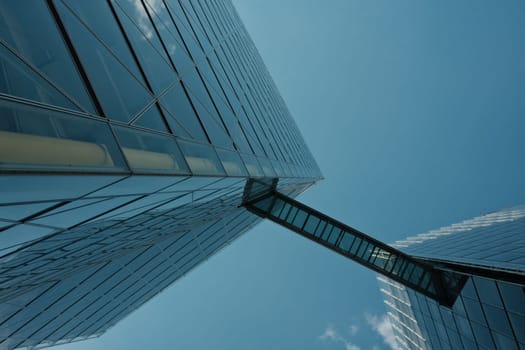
(128, 130)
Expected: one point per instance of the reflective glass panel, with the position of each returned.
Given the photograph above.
(32, 136)
(346, 241)
(145, 44)
(18, 79)
(110, 68)
(152, 119)
(181, 115)
(311, 224)
(169, 35)
(232, 163)
(37, 39)
(150, 152)
(201, 158)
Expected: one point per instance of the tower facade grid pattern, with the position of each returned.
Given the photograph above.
(490, 311)
(128, 130)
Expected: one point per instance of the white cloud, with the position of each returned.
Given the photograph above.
(353, 329)
(350, 346)
(381, 324)
(331, 334)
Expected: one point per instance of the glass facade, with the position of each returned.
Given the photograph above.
(128, 130)
(490, 311)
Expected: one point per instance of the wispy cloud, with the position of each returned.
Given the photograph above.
(331, 334)
(381, 324)
(353, 329)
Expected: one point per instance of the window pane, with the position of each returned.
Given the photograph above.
(408, 271)
(169, 35)
(285, 211)
(277, 207)
(416, 275)
(291, 215)
(482, 334)
(487, 291)
(425, 280)
(327, 231)
(362, 249)
(252, 165)
(497, 319)
(205, 109)
(232, 163)
(18, 79)
(152, 119)
(98, 17)
(300, 217)
(145, 43)
(518, 324)
(399, 265)
(320, 228)
(38, 40)
(474, 312)
(180, 114)
(201, 158)
(267, 167)
(334, 235)
(311, 224)
(185, 29)
(368, 251)
(346, 241)
(513, 296)
(116, 82)
(264, 204)
(355, 245)
(41, 137)
(150, 152)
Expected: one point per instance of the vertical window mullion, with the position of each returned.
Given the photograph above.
(76, 59)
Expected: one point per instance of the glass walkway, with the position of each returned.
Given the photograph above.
(263, 200)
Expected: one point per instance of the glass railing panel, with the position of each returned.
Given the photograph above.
(391, 262)
(425, 280)
(398, 266)
(277, 207)
(381, 258)
(300, 218)
(416, 275)
(320, 229)
(355, 246)
(326, 232)
(346, 241)
(311, 224)
(408, 271)
(362, 249)
(284, 213)
(334, 236)
(368, 252)
(291, 215)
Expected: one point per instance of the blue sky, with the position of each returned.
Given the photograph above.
(415, 112)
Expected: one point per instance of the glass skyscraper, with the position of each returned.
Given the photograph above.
(490, 310)
(128, 129)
